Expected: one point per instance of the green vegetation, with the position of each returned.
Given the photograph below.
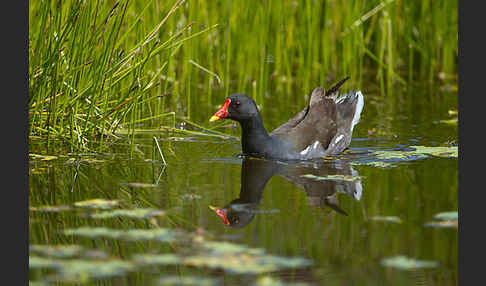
(121, 210)
(96, 67)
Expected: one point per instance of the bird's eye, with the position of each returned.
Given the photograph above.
(237, 104)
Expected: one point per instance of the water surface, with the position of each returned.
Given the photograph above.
(342, 228)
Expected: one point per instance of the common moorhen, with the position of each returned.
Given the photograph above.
(255, 173)
(324, 127)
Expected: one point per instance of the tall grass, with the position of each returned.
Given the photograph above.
(97, 66)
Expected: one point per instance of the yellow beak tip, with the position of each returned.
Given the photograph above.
(213, 118)
(213, 208)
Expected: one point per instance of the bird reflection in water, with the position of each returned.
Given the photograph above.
(255, 174)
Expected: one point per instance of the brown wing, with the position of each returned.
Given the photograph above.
(315, 122)
(291, 123)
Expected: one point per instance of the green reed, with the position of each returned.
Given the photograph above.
(97, 66)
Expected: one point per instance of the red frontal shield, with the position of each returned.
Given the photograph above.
(222, 112)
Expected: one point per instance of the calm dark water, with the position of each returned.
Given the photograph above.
(269, 204)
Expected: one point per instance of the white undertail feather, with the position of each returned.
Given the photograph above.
(359, 108)
(339, 138)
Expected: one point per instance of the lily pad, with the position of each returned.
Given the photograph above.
(406, 263)
(36, 262)
(50, 209)
(139, 185)
(94, 232)
(156, 234)
(42, 157)
(97, 204)
(420, 152)
(452, 121)
(215, 247)
(446, 220)
(190, 197)
(386, 219)
(446, 215)
(240, 259)
(66, 251)
(85, 270)
(447, 152)
(442, 224)
(390, 158)
(345, 178)
(186, 280)
(270, 281)
(57, 251)
(158, 259)
(379, 164)
(133, 213)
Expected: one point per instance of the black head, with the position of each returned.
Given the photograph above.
(238, 107)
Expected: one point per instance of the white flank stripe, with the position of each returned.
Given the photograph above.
(359, 108)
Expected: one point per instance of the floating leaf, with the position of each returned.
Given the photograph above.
(442, 224)
(186, 280)
(224, 247)
(447, 220)
(158, 259)
(386, 219)
(139, 185)
(405, 263)
(57, 251)
(446, 215)
(80, 270)
(345, 178)
(390, 158)
(85, 270)
(42, 157)
(50, 209)
(241, 259)
(93, 232)
(133, 213)
(452, 121)
(418, 153)
(379, 164)
(190, 197)
(36, 262)
(449, 151)
(270, 281)
(157, 234)
(66, 251)
(97, 204)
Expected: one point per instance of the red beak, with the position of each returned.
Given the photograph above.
(222, 112)
(221, 213)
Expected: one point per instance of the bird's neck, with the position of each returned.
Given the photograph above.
(254, 136)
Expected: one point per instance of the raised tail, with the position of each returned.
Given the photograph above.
(335, 87)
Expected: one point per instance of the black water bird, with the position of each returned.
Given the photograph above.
(323, 128)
